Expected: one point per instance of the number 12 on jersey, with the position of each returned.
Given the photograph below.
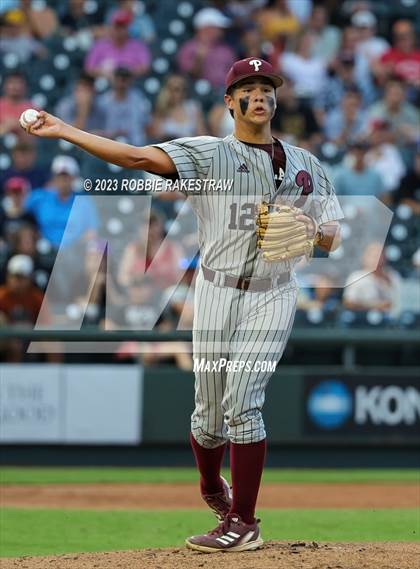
(243, 217)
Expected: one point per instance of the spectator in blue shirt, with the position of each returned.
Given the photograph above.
(347, 122)
(125, 110)
(62, 216)
(342, 77)
(80, 108)
(355, 178)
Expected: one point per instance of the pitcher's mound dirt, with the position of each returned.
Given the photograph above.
(274, 555)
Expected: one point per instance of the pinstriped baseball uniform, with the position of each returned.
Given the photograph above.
(242, 324)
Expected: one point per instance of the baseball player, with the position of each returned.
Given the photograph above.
(281, 205)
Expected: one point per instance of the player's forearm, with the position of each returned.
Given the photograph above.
(124, 155)
(328, 238)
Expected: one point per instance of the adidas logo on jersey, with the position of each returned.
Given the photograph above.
(243, 168)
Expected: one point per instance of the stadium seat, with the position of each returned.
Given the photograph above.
(393, 253)
(185, 10)
(169, 46)
(5, 161)
(152, 85)
(363, 319)
(40, 100)
(315, 317)
(114, 226)
(10, 61)
(61, 62)
(409, 320)
(399, 232)
(101, 84)
(404, 212)
(125, 205)
(47, 82)
(9, 140)
(160, 65)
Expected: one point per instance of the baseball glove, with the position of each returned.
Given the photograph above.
(280, 235)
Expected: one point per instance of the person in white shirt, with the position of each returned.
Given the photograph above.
(370, 46)
(327, 37)
(384, 156)
(301, 10)
(307, 73)
(377, 290)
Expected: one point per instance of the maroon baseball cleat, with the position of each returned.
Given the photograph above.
(231, 535)
(220, 503)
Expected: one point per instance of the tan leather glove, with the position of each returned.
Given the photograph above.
(280, 235)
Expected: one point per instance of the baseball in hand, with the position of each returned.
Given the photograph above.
(28, 117)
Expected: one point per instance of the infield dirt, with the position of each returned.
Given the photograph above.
(175, 496)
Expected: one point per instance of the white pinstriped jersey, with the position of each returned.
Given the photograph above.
(226, 220)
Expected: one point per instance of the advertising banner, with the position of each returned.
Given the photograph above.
(371, 406)
(30, 398)
(71, 404)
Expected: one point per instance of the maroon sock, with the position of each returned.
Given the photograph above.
(209, 463)
(246, 465)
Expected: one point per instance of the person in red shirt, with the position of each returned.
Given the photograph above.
(20, 303)
(13, 103)
(403, 59)
(20, 299)
(12, 209)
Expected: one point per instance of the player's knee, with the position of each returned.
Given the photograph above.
(207, 438)
(246, 427)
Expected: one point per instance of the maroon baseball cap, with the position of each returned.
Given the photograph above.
(252, 67)
(16, 185)
(122, 18)
(379, 124)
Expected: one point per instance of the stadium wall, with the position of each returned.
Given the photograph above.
(315, 416)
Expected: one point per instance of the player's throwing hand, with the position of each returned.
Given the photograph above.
(46, 126)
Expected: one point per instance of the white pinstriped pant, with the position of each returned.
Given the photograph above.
(242, 326)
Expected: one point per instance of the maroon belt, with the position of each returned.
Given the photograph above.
(253, 285)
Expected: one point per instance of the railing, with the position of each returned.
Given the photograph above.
(354, 337)
(77, 341)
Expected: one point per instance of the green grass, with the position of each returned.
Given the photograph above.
(30, 475)
(43, 532)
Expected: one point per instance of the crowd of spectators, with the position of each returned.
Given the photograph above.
(144, 72)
